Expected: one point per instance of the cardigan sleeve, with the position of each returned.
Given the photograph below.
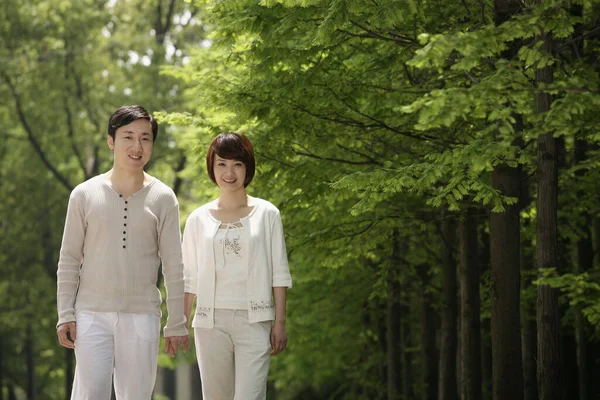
(190, 260)
(281, 270)
(169, 247)
(70, 259)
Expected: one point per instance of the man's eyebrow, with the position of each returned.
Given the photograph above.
(143, 133)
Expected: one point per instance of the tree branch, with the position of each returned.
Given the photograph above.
(169, 19)
(371, 34)
(348, 122)
(71, 135)
(178, 181)
(36, 145)
(273, 159)
(160, 28)
(69, 116)
(381, 123)
(91, 166)
(368, 157)
(308, 153)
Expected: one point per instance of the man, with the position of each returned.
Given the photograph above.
(120, 227)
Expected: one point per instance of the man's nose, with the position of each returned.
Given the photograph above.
(137, 144)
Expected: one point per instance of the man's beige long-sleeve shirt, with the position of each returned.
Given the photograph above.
(112, 248)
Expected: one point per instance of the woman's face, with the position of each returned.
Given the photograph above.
(229, 174)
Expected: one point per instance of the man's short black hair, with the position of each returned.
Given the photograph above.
(126, 115)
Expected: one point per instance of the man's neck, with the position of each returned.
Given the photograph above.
(127, 182)
(124, 177)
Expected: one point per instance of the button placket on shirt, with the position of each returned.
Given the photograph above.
(125, 214)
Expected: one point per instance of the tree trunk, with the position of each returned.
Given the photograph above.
(529, 342)
(405, 355)
(549, 375)
(470, 310)
(448, 389)
(486, 331)
(596, 239)
(585, 261)
(68, 373)
(486, 360)
(507, 369)
(1, 368)
(393, 331)
(29, 349)
(196, 382)
(428, 351)
(505, 229)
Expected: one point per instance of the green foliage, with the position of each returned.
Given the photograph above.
(580, 290)
(367, 118)
(66, 65)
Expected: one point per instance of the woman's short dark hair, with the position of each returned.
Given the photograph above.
(231, 146)
(126, 115)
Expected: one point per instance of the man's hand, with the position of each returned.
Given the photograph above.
(173, 343)
(278, 337)
(67, 334)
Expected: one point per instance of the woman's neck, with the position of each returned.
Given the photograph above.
(232, 200)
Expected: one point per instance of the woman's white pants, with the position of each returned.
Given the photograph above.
(113, 343)
(234, 357)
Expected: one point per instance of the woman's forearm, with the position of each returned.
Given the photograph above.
(188, 303)
(280, 296)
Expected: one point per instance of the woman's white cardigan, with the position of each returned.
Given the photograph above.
(266, 261)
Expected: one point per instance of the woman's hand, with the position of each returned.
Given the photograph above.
(278, 337)
(173, 343)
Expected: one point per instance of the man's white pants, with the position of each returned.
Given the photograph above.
(122, 344)
(234, 357)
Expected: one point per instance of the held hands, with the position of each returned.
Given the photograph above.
(278, 337)
(173, 343)
(67, 334)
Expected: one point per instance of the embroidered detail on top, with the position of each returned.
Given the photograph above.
(202, 312)
(232, 246)
(261, 305)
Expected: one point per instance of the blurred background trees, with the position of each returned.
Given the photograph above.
(435, 164)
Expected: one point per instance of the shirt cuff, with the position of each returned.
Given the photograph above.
(65, 319)
(178, 329)
(190, 286)
(282, 281)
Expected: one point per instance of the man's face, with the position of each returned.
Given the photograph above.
(132, 145)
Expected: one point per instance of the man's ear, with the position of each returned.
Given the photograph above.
(111, 142)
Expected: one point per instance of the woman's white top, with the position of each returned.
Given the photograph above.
(231, 247)
(265, 261)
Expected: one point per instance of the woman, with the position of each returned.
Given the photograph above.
(236, 267)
